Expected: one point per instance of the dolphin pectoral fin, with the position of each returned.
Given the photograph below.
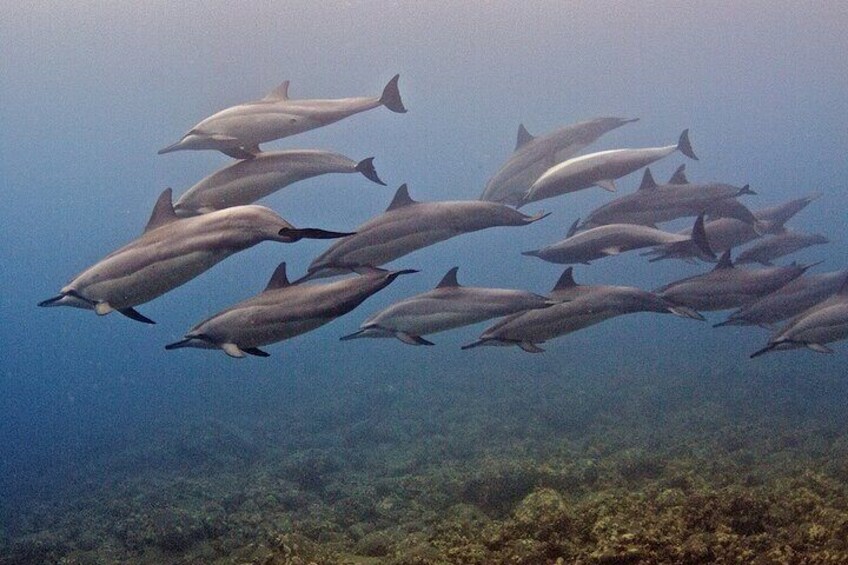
(237, 153)
(391, 96)
(686, 312)
(103, 308)
(256, 352)
(134, 314)
(232, 350)
(410, 339)
(606, 184)
(819, 348)
(530, 347)
(366, 168)
(295, 234)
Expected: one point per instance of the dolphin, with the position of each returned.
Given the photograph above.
(447, 306)
(534, 155)
(600, 169)
(284, 310)
(728, 287)
(237, 131)
(612, 239)
(824, 323)
(171, 252)
(775, 216)
(245, 182)
(407, 226)
(588, 305)
(789, 300)
(655, 203)
(766, 250)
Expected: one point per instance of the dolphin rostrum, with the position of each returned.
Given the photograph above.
(284, 310)
(171, 252)
(788, 301)
(586, 306)
(766, 250)
(535, 155)
(245, 182)
(600, 169)
(814, 328)
(407, 226)
(727, 286)
(237, 131)
(447, 306)
(612, 239)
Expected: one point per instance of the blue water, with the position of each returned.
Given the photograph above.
(90, 92)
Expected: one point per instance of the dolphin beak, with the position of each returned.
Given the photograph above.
(51, 301)
(180, 344)
(294, 234)
(170, 148)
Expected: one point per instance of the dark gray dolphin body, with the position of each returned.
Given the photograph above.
(447, 306)
(766, 250)
(586, 306)
(728, 287)
(407, 226)
(600, 169)
(237, 131)
(171, 252)
(612, 239)
(653, 203)
(790, 300)
(824, 323)
(245, 182)
(535, 155)
(282, 311)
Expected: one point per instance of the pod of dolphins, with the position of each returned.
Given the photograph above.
(217, 217)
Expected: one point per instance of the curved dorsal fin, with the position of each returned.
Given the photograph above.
(523, 137)
(566, 280)
(724, 261)
(679, 176)
(449, 280)
(279, 93)
(163, 212)
(279, 279)
(401, 198)
(648, 182)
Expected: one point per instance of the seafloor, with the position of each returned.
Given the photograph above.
(713, 466)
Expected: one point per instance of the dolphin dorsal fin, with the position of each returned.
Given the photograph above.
(163, 212)
(724, 261)
(279, 279)
(279, 93)
(679, 176)
(648, 182)
(449, 280)
(566, 280)
(401, 198)
(523, 137)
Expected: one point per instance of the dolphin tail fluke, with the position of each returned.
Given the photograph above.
(391, 96)
(296, 234)
(366, 167)
(685, 147)
(134, 314)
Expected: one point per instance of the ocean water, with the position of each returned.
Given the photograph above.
(647, 438)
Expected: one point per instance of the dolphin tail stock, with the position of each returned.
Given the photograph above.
(685, 147)
(391, 96)
(366, 167)
(296, 234)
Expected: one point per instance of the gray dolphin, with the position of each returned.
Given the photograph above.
(600, 169)
(535, 155)
(407, 226)
(284, 310)
(728, 287)
(588, 305)
(237, 131)
(612, 239)
(815, 328)
(655, 203)
(773, 247)
(171, 252)
(245, 182)
(447, 306)
(789, 300)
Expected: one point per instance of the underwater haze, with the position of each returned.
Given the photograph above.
(643, 439)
